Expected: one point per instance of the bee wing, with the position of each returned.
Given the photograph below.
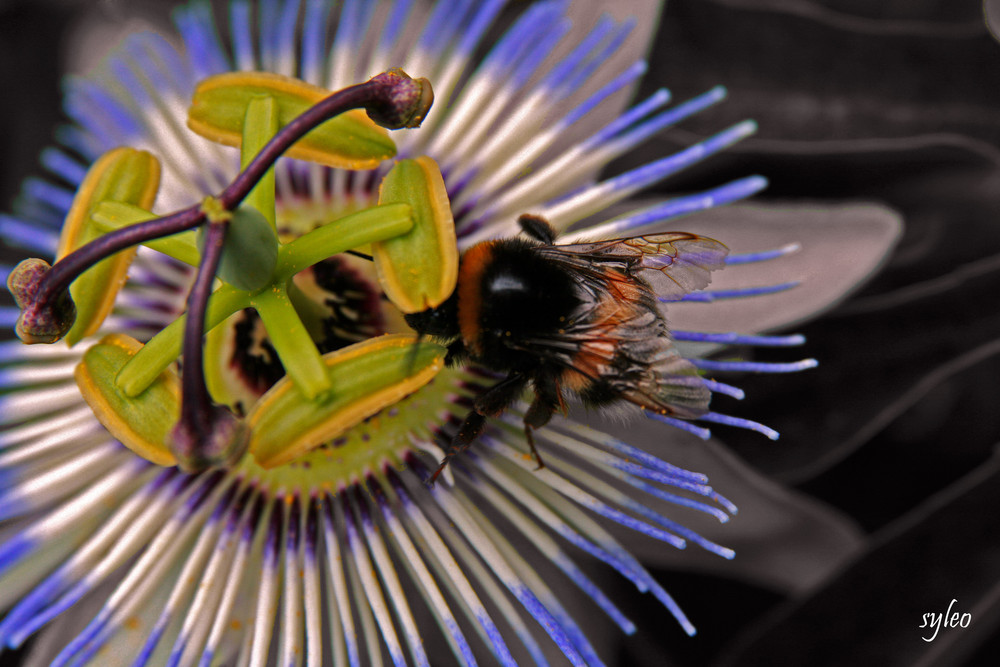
(674, 263)
(673, 388)
(627, 348)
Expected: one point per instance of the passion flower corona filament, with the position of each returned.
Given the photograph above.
(232, 427)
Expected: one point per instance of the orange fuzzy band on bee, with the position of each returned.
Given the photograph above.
(587, 363)
(470, 277)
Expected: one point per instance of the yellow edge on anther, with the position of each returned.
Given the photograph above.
(348, 141)
(366, 377)
(418, 270)
(123, 175)
(141, 423)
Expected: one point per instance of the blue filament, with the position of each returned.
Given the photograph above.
(552, 627)
(699, 201)
(686, 533)
(561, 73)
(656, 171)
(395, 24)
(63, 166)
(239, 29)
(739, 422)
(313, 33)
(53, 195)
(693, 429)
(630, 117)
(740, 339)
(197, 28)
(13, 550)
(678, 500)
(763, 255)
(590, 66)
(74, 138)
(284, 30)
(29, 236)
(708, 296)
(544, 37)
(754, 366)
(628, 76)
(674, 116)
(473, 32)
(8, 316)
(114, 125)
(163, 58)
(726, 389)
(528, 28)
(441, 25)
(644, 458)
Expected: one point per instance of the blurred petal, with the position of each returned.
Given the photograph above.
(842, 246)
(991, 11)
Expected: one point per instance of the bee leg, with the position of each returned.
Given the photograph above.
(471, 428)
(528, 428)
(490, 403)
(548, 399)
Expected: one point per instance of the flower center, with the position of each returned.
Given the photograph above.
(300, 359)
(340, 303)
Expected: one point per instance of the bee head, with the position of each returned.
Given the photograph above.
(441, 322)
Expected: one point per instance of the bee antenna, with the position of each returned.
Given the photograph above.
(360, 254)
(537, 228)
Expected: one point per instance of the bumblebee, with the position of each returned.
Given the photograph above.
(579, 319)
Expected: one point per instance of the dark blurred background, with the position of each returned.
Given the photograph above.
(891, 101)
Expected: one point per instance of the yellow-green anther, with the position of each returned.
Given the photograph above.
(348, 141)
(143, 422)
(352, 231)
(418, 270)
(111, 215)
(123, 175)
(161, 351)
(250, 251)
(365, 377)
(290, 339)
(259, 127)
